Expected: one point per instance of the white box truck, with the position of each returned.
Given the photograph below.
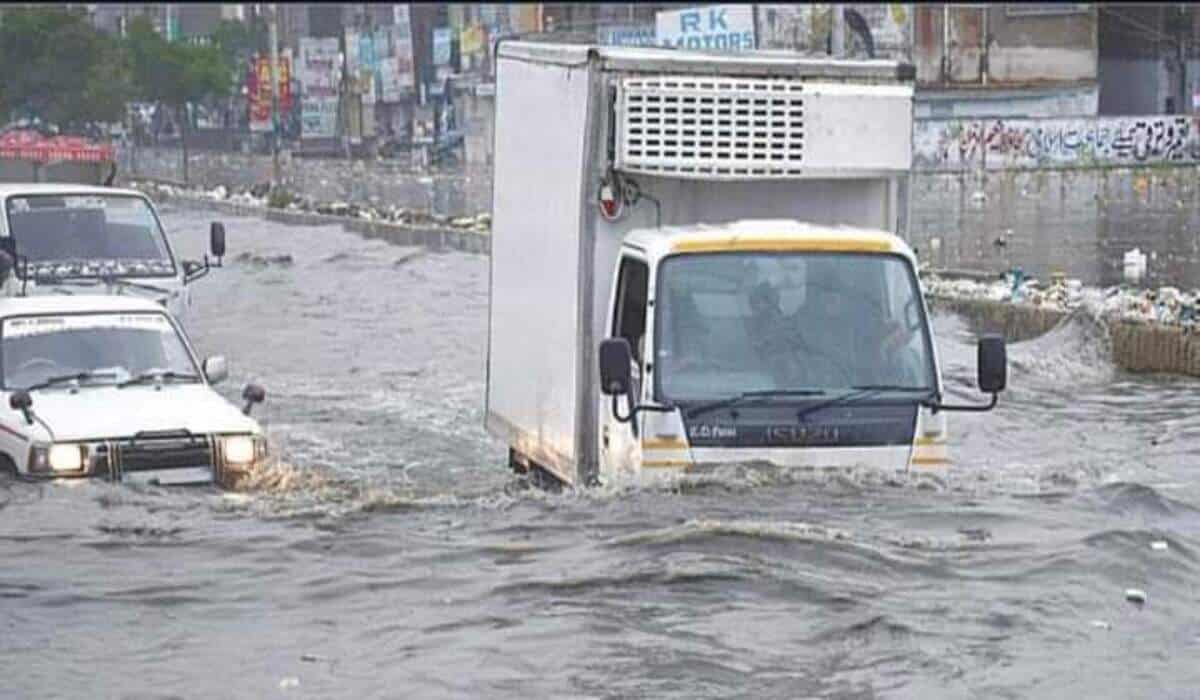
(698, 258)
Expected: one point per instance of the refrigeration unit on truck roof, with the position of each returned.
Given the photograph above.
(650, 204)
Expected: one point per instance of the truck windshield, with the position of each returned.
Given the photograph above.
(730, 323)
(110, 347)
(88, 236)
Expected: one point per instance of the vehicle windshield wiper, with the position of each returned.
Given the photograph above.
(156, 375)
(863, 391)
(77, 377)
(749, 395)
(115, 279)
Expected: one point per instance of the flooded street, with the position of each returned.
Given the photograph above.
(392, 554)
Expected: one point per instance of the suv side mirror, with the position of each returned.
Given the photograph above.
(253, 394)
(20, 400)
(992, 364)
(615, 360)
(216, 235)
(216, 370)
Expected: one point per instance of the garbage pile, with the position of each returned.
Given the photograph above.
(1165, 305)
(263, 196)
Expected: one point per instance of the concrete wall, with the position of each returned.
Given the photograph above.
(962, 103)
(956, 144)
(1136, 347)
(1131, 85)
(806, 28)
(383, 183)
(1005, 44)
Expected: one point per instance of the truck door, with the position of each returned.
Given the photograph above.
(627, 319)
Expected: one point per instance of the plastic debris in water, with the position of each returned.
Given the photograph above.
(1101, 624)
(289, 683)
(1135, 266)
(1159, 546)
(1135, 595)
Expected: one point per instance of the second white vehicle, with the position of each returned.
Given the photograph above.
(78, 239)
(109, 386)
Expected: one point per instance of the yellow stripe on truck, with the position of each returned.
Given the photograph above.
(664, 444)
(666, 464)
(855, 244)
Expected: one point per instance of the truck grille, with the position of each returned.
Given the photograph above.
(174, 452)
(710, 127)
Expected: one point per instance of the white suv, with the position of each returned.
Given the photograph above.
(109, 386)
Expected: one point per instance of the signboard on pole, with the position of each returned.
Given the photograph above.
(258, 91)
(319, 69)
(442, 37)
(626, 35)
(394, 56)
(714, 28)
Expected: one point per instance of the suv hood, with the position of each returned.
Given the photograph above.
(100, 412)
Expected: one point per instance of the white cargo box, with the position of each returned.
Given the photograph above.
(714, 138)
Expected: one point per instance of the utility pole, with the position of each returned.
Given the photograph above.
(273, 30)
(839, 32)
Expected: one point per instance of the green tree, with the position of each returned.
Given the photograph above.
(175, 74)
(237, 41)
(59, 69)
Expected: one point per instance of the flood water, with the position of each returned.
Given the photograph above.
(392, 555)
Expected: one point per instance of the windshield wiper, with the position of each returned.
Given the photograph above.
(77, 377)
(158, 375)
(748, 395)
(863, 391)
(115, 279)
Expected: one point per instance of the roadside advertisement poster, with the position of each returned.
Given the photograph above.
(442, 38)
(318, 68)
(394, 56)
(258, 91)
(626, 35)
(716, 28)
(471, 40)
(471, 44)
(361, 64)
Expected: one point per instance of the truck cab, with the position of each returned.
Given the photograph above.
(769, 341)
(700, 258)
(78, 239)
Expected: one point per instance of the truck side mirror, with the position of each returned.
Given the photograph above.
(216, 235)
(615, 361)
(22, 401)
(993, 374)
(6, 266)
(992, 364)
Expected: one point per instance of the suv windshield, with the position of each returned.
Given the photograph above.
(88, 236)
(114, 347)
(730, 323)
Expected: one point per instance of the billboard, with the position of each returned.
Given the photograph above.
(714, 28)
(442, 37)
(258, 91)
(626, 35)
(318, 68)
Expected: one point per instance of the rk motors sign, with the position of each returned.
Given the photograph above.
(716, 28)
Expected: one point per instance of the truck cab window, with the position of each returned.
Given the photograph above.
(630, 320)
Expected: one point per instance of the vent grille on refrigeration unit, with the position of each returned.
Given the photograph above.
(736, 128)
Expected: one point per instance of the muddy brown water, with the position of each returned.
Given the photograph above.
(393, 555)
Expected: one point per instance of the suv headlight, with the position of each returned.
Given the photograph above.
(57, 458)
(243, 449)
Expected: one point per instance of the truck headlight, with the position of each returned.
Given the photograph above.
(243, 449)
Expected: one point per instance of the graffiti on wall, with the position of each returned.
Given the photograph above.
(999, 144)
